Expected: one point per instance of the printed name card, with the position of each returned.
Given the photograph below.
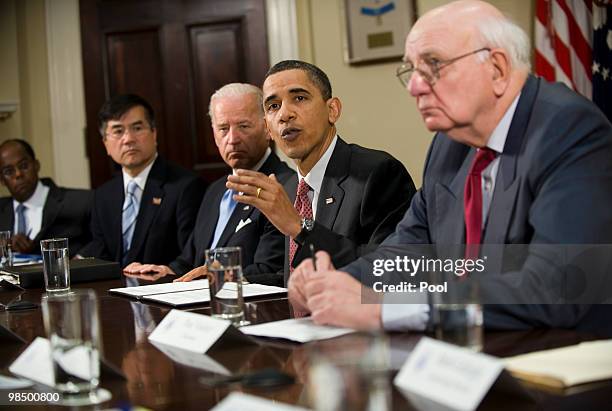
(189, 331)
(450, 376)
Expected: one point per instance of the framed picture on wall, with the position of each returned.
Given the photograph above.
(376, 29)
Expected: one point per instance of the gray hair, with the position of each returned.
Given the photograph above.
(234, 90)
(502, 32)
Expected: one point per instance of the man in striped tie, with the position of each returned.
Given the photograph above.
(514, 161)
(147, 211)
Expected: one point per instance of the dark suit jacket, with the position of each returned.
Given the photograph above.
(554, 186)
(262, 245)
(166, 217)
(66, 214)
(370, 192)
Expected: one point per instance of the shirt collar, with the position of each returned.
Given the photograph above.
(38, 198)
(497, 140)
(314, 178)
(140, 179)
(260, 162)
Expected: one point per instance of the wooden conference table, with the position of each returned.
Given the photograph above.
(153, 380)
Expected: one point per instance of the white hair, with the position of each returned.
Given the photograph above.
(502, 32)
(234, 90)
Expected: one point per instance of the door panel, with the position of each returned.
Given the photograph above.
(175, 54)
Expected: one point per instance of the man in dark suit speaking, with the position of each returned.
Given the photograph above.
(147, 212)
(515, 160)
(39, 209)
(236, 117)
(345, 198)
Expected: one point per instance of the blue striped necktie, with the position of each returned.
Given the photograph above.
(130, 212)
(226, 208)
(21, 220)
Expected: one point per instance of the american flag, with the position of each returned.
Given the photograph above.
(574, 46)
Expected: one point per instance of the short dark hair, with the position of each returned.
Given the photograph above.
(316, 75)
(117, 106)
(24, 144)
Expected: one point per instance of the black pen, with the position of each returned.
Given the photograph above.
(314, 257)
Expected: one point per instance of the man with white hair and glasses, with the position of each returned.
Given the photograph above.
(515, 160)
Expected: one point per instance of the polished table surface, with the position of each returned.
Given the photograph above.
(153, 380)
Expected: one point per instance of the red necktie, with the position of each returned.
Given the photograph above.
(472, 201)
(304, 208)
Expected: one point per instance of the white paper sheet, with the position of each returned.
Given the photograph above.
(295, 329)
(239, 401)
(161, 288)
(178, 299)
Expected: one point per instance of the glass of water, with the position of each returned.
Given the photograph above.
(224, 266)
(6, 256)
(72, 324)
(56, 264)
(457, 314)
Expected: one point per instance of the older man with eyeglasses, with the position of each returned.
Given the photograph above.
(147, 212)
(37, 208)
(515, 160)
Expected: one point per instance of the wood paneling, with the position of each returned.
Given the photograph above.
(174, 53)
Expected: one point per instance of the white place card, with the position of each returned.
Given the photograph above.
(453, 377)
(151, 289)
(295, 329)
(35, 362)
(178, 299)
(239, 401)
(195, 332)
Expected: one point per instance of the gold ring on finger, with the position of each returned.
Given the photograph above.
(258, 192)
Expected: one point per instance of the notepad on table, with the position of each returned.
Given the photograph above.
(561, 368)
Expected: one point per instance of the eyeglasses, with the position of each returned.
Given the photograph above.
(11, 171)
(118, 132)
(430, 70)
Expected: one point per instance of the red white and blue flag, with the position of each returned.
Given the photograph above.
(573, 44)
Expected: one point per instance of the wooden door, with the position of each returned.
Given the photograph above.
(175, 54)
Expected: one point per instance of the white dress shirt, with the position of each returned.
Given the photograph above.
(33, 212)
(140, 179)
(314, 178)
(415, 316)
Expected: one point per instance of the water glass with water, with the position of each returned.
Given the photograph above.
(56, 264)
(72, 325)
(457, 314)
(6, 255)
(224, 266)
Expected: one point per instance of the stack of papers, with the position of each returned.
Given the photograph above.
(564, 367)
(141, 291)
(193, 292)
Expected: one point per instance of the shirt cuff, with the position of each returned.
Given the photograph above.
(404, 317)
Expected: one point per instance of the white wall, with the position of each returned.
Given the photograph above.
(377, 111)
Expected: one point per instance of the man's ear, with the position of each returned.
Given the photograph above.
(37, 166)
(334, 108)
(500, 63)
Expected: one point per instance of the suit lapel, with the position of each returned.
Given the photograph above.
(114, 203)
(449, 200)
(151, 201)
(51, 209)
(506, 185)
(241, 213)
(332, 193)
(7, 214)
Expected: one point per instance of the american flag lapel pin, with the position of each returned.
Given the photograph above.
(329, 200)
(156, 200)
